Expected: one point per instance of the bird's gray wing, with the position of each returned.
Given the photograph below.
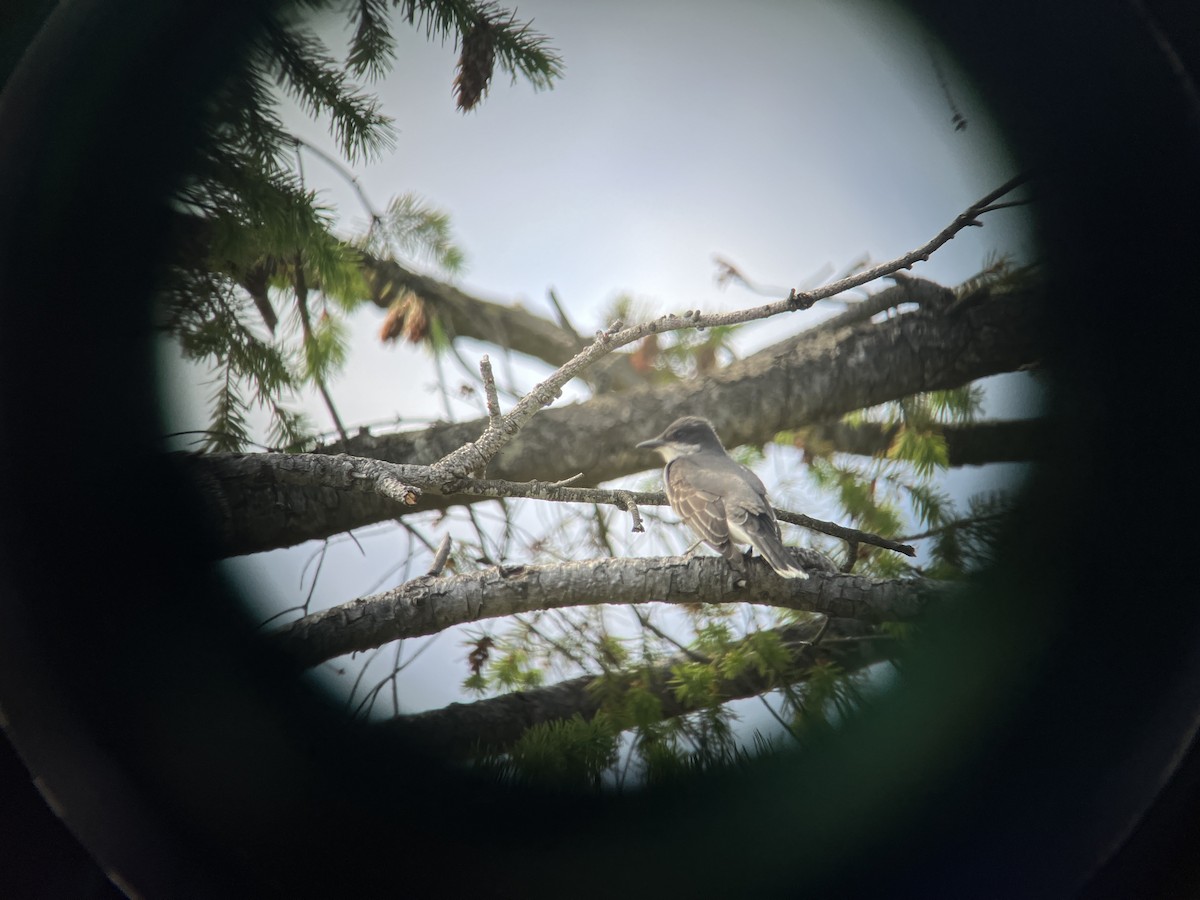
(753, 521)
(737, 485)
(701, 509)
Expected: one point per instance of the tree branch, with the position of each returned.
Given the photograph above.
(474, 455)
(967, 218)
(807, 378)
(406, 483)
(429, 605)
(492, 725)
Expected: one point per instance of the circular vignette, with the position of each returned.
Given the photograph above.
(1024, 752)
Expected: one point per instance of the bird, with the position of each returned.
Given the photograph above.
(718, 498)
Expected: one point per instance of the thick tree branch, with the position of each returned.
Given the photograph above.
(464, 729)
(405, 484)
(429, 605)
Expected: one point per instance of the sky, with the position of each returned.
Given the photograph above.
(791, 138)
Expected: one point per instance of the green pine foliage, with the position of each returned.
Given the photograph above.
(411, 228)
(511, 668)
(519, 49)
(569, 754)
(831, 696)
(665, 764)
(999, 274)
(696, 352)
(894, 491)
(261, 285)
(967, 544)
(663, 700)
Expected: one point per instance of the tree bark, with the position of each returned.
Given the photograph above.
(429, 605)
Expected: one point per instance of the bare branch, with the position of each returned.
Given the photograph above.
(301, 288)
(475, 455)
(439, 558)
(924, 293)
(967, 218)
(965, 522)
(841, 531)
(629, 502)
(489, 389)
(429, 605)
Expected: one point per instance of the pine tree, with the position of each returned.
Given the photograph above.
(261, 286)
(260, 290)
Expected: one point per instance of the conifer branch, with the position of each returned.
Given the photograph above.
(496, 723)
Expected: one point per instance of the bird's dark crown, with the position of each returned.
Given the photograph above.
(692, 430)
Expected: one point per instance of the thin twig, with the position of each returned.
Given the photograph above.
(967, 522)
(359, 677)
(417, 653)
(341, 169)
(439, 559)
(629, 504)
(841, 531)
(489, 389)
(563, 321)
(967, 218)
(301, 288)
(693, 655)
(553, 644)
(484, 556)
(601, 533)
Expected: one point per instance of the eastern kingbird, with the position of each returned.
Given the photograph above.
(717, 497)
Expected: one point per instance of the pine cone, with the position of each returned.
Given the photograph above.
(476, 63)
(407, 318)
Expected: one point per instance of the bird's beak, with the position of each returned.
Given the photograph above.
(652, 444)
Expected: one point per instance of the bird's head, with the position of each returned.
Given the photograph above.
(683, 437)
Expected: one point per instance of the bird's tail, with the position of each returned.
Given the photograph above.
(770, 545)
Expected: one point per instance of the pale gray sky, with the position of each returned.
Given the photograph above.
(788, 137)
